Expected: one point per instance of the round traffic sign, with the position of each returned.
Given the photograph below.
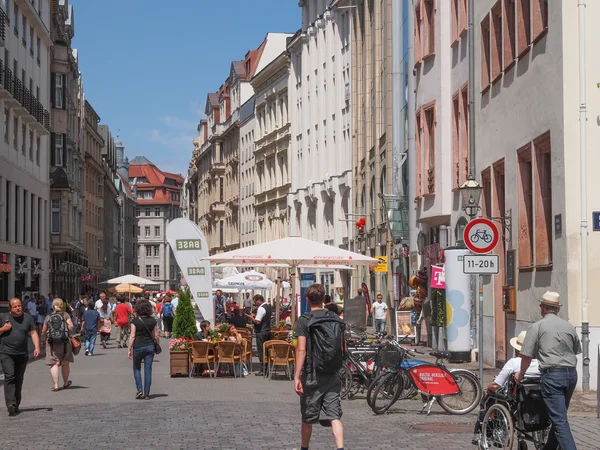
(481, 235)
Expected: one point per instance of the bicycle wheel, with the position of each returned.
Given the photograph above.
(409, 389)
(467, 399)
(386, 392)
(378, 375)
(497, 429)
(346, 380)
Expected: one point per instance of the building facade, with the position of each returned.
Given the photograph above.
(112, 206)
(24, 151)
(372, 138)
(67, 161)
(158, 196)
(247, 174)
(94, 195)
(127, 234)
(271, 150)
(320, 118)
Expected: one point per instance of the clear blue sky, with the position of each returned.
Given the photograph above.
(148, 65)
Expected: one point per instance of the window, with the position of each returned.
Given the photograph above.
(147, 212)
(38, 49)
(148, 271)
(157, 231)
(157, 212)
(137, 211)
(137, 269)
(543, 200)
(55, 217)
(31, 146)
(486, 184)
(6, 123)
(221, 234)
(525, 206)
(418, 33)
(523, 26)
(429, 28)
(147, 231)
(463, 16)
(59, 92)
(464, 138)
(148, 250)
(7, 4)
(58, 150)
(429, 147)
(16, 20)
(456, 169)
(139, 233)
(23, 139)
(509, 34)
(485, 53)
(156, 271)
(37, 150)
(456, 18)
(145, 195)
(418, 155)
(15, 132)
(24, 29)
(31, 41)
(157, 250)
(496, 35)
(539, 15)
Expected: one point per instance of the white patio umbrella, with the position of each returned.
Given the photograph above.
(130, 279)
(245, 280)
(294, 251)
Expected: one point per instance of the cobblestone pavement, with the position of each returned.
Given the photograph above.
(250, 413)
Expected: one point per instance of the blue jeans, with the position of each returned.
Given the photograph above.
(380, 325)
(145, 354)
(90, 342)
(557, 389)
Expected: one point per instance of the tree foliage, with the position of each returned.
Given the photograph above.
(184, 325)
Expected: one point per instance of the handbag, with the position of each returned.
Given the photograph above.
(75, 344)
(157, 348)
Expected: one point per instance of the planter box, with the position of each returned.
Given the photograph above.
(179, 363)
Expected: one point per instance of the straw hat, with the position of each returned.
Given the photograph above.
(517, 342)
(550, 299)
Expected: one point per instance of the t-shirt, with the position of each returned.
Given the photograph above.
(14, 342)
(332, 307)
(91, 317)
(143, 331)
(247, 302)
(122, 312)
(219, 304)
(379, 310)
(513, 365)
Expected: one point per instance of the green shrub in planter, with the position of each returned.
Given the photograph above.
(184, 325)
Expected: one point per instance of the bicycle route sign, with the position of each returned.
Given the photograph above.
(481, 235)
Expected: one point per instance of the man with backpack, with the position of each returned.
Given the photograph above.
(319, 357)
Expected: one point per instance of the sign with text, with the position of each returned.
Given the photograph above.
(382, 266)
(189, 246)
(481, 264)
(438, 277)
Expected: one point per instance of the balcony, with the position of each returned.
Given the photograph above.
(217, 208)
(2, 27)
(234, 202)
(218, 168)
(17, 96)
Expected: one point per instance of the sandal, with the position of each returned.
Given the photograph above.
(69, 383)
(55, 389)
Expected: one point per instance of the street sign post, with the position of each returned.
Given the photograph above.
(481, 236)
(481, 264)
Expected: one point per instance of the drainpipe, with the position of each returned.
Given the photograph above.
(585, 325)
(410, 111)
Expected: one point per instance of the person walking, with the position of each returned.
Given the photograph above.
(319, 357)
(168, 315)
(59, 353)
(14, 352)
(262, 328)
(142, 340)
(121, 316)
(106, 325)
(380, 311)
(89, 327)
(554, 343)
(220, 305)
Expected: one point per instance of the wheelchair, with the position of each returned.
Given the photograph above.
(517, 407)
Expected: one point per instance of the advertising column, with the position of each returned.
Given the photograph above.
(458, 306)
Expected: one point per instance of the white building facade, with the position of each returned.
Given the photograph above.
(319, 114)
(24, 151)
(247, 174)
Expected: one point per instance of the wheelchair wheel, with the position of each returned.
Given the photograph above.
(467, 399)
(497, 428)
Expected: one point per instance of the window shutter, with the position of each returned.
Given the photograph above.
(64, 150)
(52, 149)
(53, 92)
(64, 91)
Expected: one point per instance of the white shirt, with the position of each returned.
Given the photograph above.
(260, 313)
(248, 302)
(513, 365)
(379, 310)
(98, 304)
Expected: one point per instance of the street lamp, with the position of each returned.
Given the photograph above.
(470, 192)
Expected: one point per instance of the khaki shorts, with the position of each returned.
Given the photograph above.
(321, 403)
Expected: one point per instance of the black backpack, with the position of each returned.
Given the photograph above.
(326, 343)
(57, 329)
(532, 414)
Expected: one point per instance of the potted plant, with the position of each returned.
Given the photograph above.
(281, 325)
(214, 334)
(184, 329)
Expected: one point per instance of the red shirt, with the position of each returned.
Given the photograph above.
(122, 312)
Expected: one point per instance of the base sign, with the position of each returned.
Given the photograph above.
(481, 264)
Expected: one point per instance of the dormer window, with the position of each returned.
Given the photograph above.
(248, 65)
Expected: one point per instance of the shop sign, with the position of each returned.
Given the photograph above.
(87, 277)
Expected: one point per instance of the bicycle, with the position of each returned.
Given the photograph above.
(457, 391)
(359, 369)
(481, 234)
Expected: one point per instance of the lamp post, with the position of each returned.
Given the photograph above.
(470, 193)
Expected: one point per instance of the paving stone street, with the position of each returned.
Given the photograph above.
(248, 413)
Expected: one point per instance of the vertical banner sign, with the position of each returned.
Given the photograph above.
(438, 277)
(458, 305)
(189, 245)
(306, 279)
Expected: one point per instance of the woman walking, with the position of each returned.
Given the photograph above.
(59, 352)
(106, 328)
(142, 339)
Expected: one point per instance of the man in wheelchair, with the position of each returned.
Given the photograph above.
(507, 406)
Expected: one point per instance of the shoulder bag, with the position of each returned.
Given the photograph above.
(157, 348)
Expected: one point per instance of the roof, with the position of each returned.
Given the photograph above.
(126, 187)
(154, 179)
(247, 109)
(140, 160)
